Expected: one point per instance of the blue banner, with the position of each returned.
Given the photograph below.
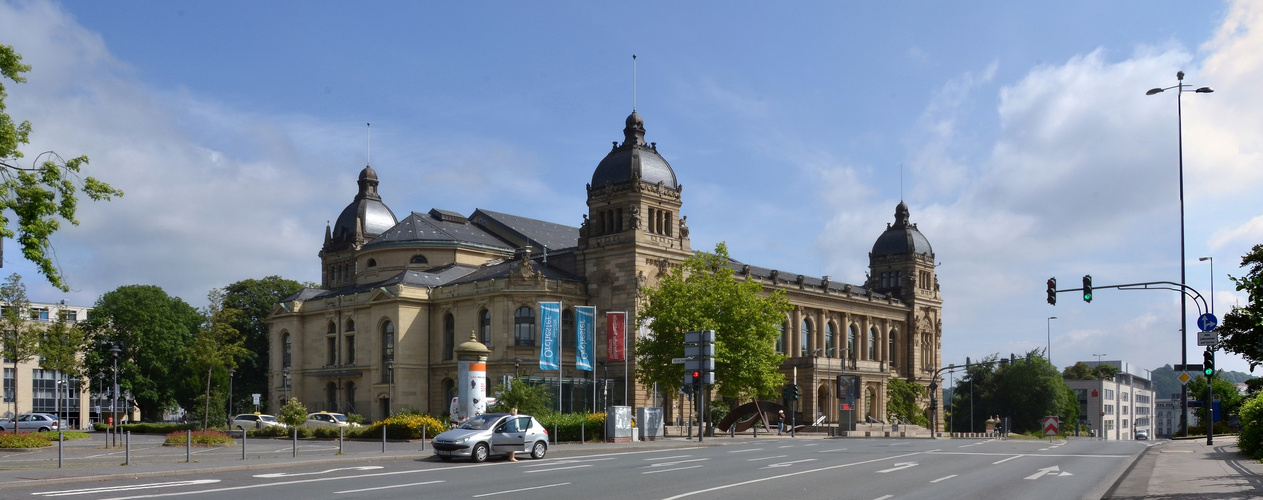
(585, 334)
(550, 342)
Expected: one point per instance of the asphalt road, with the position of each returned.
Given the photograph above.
(869, 469)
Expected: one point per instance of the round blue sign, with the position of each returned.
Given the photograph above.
(1207, 322)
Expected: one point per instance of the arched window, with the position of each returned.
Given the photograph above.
(350, 349)
(418, 259)
(804, 336)
(524, 327)
(850, 343)
(350, 397)
(829, 347)
(568, 335)
(388, 348)
(287, 350)
(333, 328)
(350, 325)
(449, 336)
(372, 263)
(872, 343)
(894, 347)
(331, 396)
(780, 337)
(484, 327)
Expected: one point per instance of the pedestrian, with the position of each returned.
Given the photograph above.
(780, 421)
(512, 428)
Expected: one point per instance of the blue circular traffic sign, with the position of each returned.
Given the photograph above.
(1207, 322)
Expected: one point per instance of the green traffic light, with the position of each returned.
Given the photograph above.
(1210, 371)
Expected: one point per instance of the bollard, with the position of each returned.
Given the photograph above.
(340, 429)
(583, 433)
(188, 446)
(127, 443)
(244, 433)
(424, 430)
(295, 452)
(383, 438)
(61, 443)
(732, 430)
(556, 438)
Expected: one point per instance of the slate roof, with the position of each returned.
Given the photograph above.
(528, 231)
(426, 227)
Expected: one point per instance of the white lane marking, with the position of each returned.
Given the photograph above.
(668, 458)
(386, 487)
(109, 489)
(677, 462)
(975, 444)
(790, 474)
(293, 474)
(944, 478)
(669, 470)
(555, 468)
(812, 444)
(1007, 459)
(786, 446)
(936, 452)
(765, 458)
(899, 466)
(831, 451)
(298, 481)
(884, 497)
(787, 464)
(745, 450)
(551, 463)
(520, 489)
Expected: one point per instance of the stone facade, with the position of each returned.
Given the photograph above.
(397, 295)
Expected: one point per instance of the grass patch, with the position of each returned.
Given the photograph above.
(28, 440)
(52, 435)
(203, 438)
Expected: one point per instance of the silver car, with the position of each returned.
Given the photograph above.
(38, 422)
(493, 434)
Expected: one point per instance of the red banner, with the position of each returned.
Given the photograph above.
(616, 336)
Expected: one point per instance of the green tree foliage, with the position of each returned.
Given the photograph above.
(1251, 440)
(1024, 391)
(293, 414)
(254, 299)
(703, 294)
(901, 402)
(1230, 399)
(44, 194)
(529, 399)
(155, 333)
(21, 341)
(1241, 330)
(216, 347)
(59, 347)
(1084, 371)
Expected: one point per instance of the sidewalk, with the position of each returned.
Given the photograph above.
(1188, 468)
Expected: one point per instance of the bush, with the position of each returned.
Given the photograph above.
(401, 426)
(203, 438)
(293, 414)
(29, 440)
(52, 435)
(570, 424)
(149, 428)
(1251, 440)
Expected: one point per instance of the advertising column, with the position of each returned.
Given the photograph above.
(471, 385)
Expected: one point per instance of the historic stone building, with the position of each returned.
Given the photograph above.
(397, 296)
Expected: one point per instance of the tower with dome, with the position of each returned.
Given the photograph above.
(396, 295)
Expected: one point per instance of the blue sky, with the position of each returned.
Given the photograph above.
(1027, 146)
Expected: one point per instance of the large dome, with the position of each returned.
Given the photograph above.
(373, 216)
(901, 237)
(634, 159)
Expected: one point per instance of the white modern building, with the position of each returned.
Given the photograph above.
(1167, 416)
(1119, 408)
(35, 389)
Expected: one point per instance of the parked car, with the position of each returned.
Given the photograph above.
(327, 419)
(37, 422)
(493, 434)
(1142, 435)
(255, 420)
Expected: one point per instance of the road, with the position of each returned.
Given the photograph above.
(871, 469)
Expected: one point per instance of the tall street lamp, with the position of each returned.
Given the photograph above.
(100, 379)
(231, 371)
(1048, 350)
(114, 350)
(1212, 282)
(1179, 121)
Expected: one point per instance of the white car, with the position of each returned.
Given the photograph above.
(255, 420)
(326, 419)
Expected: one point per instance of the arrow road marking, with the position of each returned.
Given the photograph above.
(287, 474)
(1048, 471)
(900, 466)
(787, 464)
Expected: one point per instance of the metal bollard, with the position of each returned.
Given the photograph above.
(424, 430)
(127, 443)
(295, 452)
(556, 438)
(61, 443)
(188, 446)
(583, 434)
(383, 438)
(340, 429)
(244, 433)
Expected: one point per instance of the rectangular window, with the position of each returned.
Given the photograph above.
(1109, 393)
(8, 385)
(1126, 410)
(70, 316)
(331, 356)
(350, 350)
(1126, 396)
(1109, 409)
(39, 314)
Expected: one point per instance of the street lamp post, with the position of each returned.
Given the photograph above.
(100, 379)
(114, 350)
(1048, 350)
(1212, 282)
(228, 417)
(1179, 123)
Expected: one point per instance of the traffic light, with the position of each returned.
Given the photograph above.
(1052, 291)
(1208, 362)
(1087, 288)
(794, 392)
(787, 392)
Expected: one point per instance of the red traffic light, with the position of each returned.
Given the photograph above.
(697, 375)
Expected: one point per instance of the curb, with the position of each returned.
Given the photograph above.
(1120, 476)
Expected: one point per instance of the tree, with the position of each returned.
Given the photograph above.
(254, 299)
(1025, 391)
(44, 194)
(703, 294)
(1083, 371)
(21, 342)
(529, 399)
(1230, 399)
(1241, 330)
(293, 414)
(216, 347)
(59, 346)
(154, 332)
(901, 402)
